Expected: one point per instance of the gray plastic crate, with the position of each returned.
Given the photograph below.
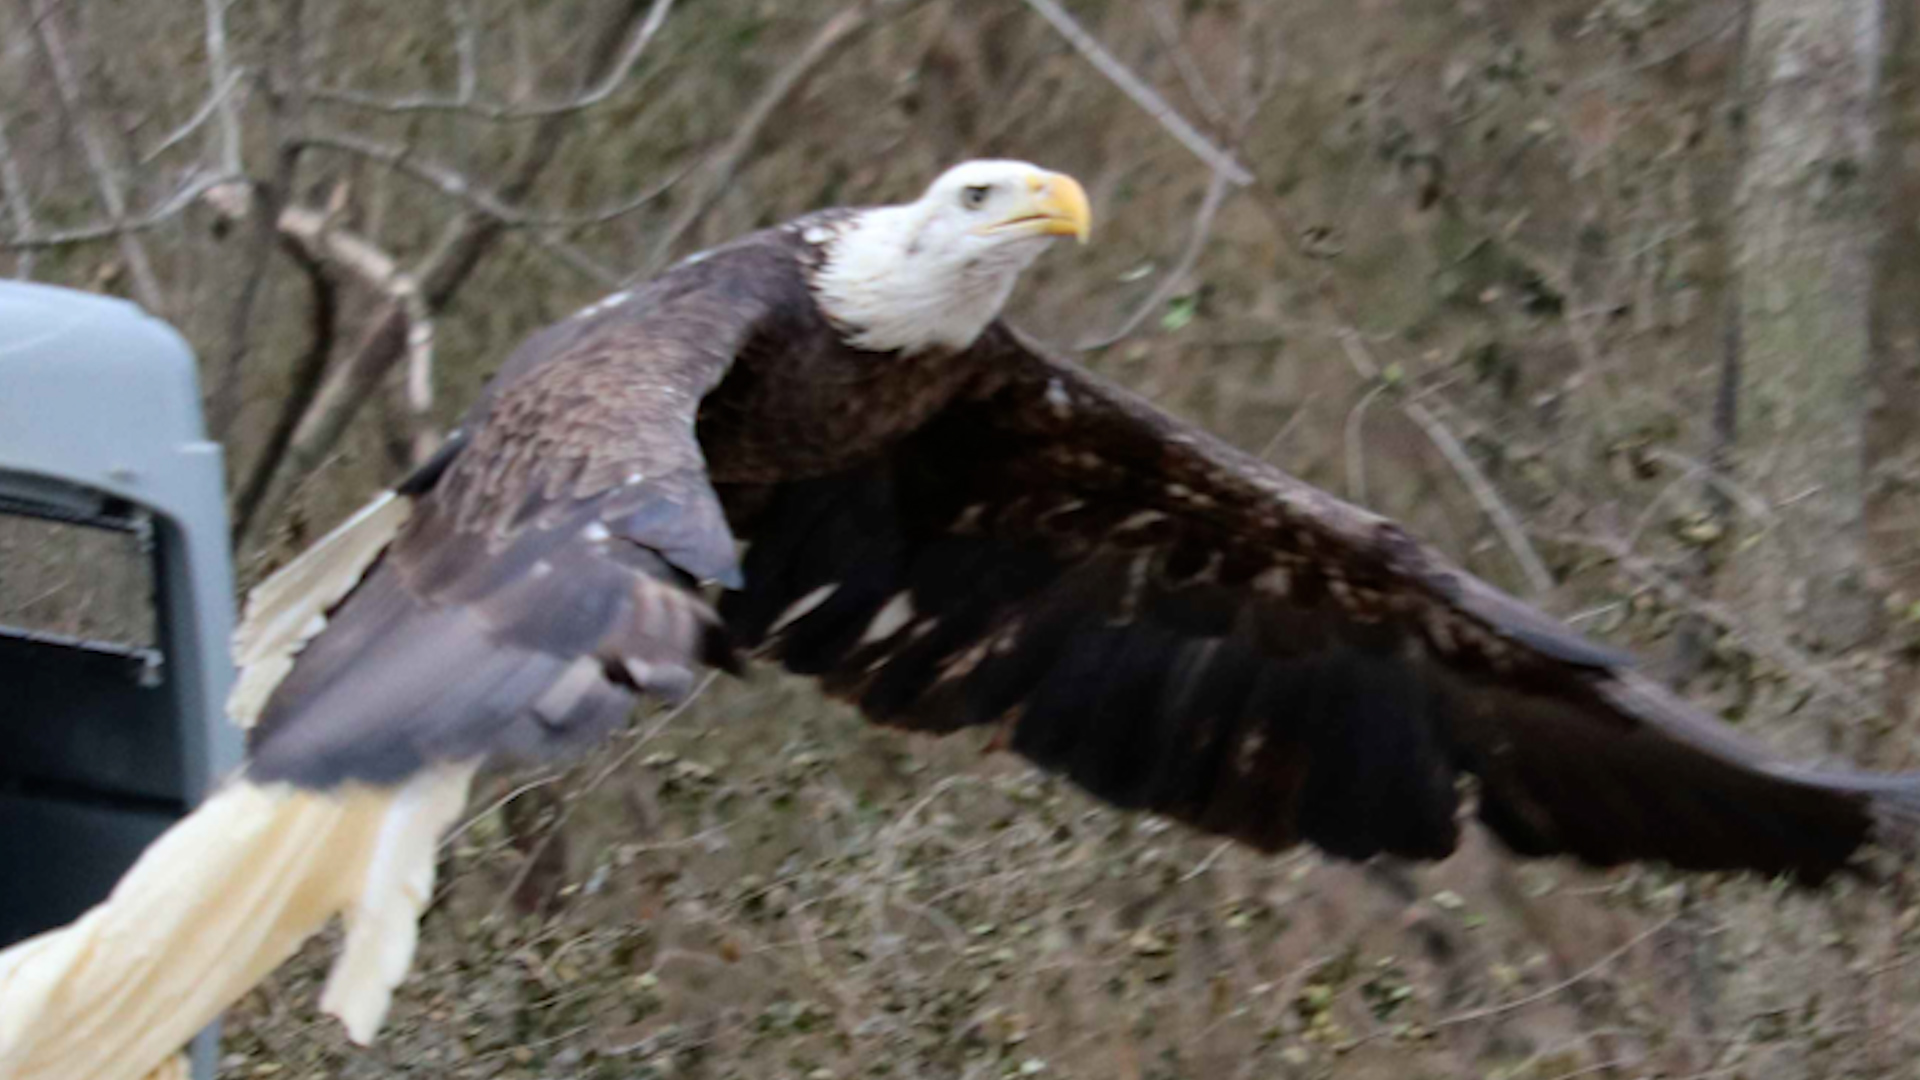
(115, 600)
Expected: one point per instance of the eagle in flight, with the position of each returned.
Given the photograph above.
(819, 445)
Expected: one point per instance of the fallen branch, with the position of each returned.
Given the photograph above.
(1143, 95)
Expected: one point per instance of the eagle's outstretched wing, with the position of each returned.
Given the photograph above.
(548, 570)
(1179, 627)
(508, 599)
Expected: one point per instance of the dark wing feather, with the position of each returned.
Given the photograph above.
(1178, 627)
(551, 565)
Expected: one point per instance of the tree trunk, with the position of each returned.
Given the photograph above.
(1892, 462)
(1806, 220)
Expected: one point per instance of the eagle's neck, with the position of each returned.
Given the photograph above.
(886, 291)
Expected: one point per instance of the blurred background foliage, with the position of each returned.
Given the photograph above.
(1613, 300)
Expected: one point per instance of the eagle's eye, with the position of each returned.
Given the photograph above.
(974, 196)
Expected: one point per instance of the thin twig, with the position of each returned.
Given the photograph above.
(540, 227)
(1217, 188)
(1143, 95)
(463, 100)
(1286, 429)
(1168, 28)
(1353, 343)
(1356, 442)
(1568, 983)
(575, 796)
(1484, 493)
(112, 230)
(146, 286)
(456, 185)
(217, 103)
(1772, 647)
(718, 173)
(574, 259)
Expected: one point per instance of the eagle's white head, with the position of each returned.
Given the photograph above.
(934, 272)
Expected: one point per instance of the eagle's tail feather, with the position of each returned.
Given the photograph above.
(384, 919)
(174, 1068)
(215, 904)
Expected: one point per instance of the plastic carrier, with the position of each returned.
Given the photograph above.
(116, 601)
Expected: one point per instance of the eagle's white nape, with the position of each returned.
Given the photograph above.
(934, 272)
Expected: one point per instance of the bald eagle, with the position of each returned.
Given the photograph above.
(819, 445)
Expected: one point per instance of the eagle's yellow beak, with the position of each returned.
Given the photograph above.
(1053, 204)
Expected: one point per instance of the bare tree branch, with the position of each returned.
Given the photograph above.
(390, 335)
(146, 286)
(1143, 95)
(309, 237)
(306, 252)
(314, 235)
(719, 171)
(464, 99)
(417, 389)
(224, 76)
(288, 107)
